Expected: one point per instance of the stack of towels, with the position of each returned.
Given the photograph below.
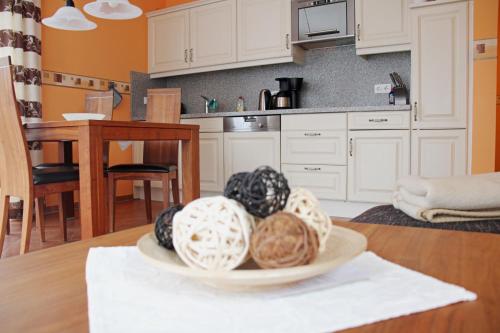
(452, 199)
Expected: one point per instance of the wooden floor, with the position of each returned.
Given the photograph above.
(128, 214)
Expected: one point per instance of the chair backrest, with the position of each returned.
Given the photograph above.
(15, 161)
(100, 102)
(164, 106)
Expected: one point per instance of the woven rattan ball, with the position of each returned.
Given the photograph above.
(213, 234)
(233, 186)
(283, 240)
(263, 192)
(304, 205)
(163, 226)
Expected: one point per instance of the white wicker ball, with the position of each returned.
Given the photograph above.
(304, 205)
(213, 234)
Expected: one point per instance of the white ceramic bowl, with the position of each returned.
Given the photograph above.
(342, 245)
(83, 116)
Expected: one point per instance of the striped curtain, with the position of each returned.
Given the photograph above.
(21, 39)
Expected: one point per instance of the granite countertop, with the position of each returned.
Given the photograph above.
(338, 109)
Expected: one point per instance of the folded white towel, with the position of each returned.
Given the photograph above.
(449, 199)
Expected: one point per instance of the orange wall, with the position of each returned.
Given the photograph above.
(497, 161)
(111, 51)
(484, 120)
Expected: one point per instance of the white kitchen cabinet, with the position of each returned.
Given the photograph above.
(439, 153)
(246, 151)
(314, 147)
(264, 29)
(213, 34)
(328, 182)
(439, 57)
(377, 159)
(382, 26)
(212, 162)
(168, 41)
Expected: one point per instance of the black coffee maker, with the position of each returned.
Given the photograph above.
(288, 95)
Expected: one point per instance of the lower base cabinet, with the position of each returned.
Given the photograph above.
(376, 160)
(327, 182)
(245, 151)
(439, 153)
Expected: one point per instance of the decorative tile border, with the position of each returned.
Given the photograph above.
(82, 82)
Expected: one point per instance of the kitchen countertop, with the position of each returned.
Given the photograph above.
(337, 109)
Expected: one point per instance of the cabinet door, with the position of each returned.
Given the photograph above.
(382, 23)
(439, 67)
(213, 34)
(248, 151)
(211, 162)
(439, 153)
(264, 29)
(325, 181)
(314, 147)
(377, 159)
(168, 41)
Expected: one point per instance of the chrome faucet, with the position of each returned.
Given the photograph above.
(210, 104)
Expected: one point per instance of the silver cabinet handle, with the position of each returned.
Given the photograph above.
(186, 55)
(191, 57)
(287, 41)
(350, 147)
(312, 134)
(358, 32)
(312, 169)
(415, 116)
(378, 120)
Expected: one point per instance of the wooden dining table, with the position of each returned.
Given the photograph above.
(91, 135)
(45, 291)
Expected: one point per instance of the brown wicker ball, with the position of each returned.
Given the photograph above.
(283, 240)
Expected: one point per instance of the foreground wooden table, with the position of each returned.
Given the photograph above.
(45, 291)
(91, 135)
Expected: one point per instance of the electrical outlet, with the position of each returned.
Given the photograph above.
(145, 100)
(382, 88)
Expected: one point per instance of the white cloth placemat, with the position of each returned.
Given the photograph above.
(127, 294)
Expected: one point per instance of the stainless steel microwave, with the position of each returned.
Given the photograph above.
(322, 20)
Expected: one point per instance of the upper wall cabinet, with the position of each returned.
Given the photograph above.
(382, 26)
(209, 35)
(168, 39)
(213, 34)
(264, 29)
(440, 45)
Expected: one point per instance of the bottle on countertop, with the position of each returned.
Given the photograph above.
(240, 104)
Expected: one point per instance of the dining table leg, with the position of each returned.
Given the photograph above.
(191, 168)
(66, 157)
(93, 215)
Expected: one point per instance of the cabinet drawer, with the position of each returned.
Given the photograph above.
(314, 147)
(324, 181)
(314, 122)
(207, 125)
(379, 120)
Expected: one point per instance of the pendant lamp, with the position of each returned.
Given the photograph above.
(112, 9)
(69, 18)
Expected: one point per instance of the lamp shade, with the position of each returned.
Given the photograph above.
(69, 18)
(113, 9)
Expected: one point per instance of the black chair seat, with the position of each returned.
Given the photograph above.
(146, 168)
(51, 175)
(55, 165)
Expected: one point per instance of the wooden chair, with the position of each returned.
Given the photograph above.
(159, 158)
(95, 102)
(17, 177)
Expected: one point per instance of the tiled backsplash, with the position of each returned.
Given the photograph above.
(332, 77)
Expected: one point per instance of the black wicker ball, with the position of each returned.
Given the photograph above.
(233, 186)
(163, 226)
(262, 192)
